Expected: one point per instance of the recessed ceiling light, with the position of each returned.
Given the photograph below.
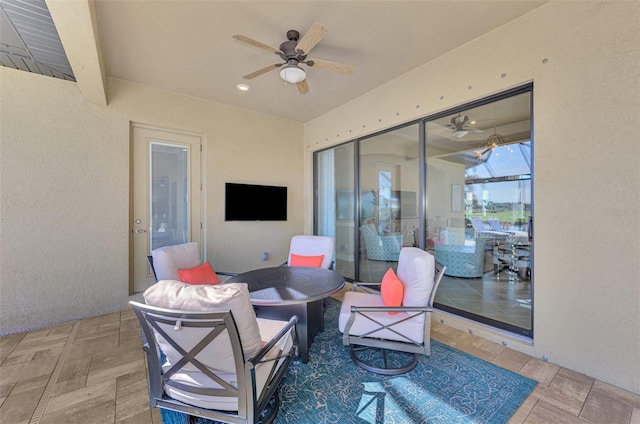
(243, 87)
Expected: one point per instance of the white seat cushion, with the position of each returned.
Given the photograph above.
(412, 328)
(169, 259)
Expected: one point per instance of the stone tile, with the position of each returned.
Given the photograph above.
(144, 417)
(543, 413)
(511, 360)
(541, 371)
(74, 368)
(132, 396)
(602, 408)
(523, 412)
(19, 407)
(27, 370)
(630, 398)
(91, 404)
(567, 391)
(635, 416)
(8, 343)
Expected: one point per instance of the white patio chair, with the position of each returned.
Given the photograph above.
(366, 323)
(205, 352)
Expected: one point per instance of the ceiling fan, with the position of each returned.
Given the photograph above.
(459, 125)
(293, 52)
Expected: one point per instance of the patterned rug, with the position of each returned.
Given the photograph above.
(450, 386)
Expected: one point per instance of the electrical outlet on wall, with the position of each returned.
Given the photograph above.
(265, 256)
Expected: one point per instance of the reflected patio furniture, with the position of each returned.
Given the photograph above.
(381, 248)
(462, 257)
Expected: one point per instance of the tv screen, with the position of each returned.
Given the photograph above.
(250, 202)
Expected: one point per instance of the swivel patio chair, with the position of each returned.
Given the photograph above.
(372, 330)
(306, 250)
(167, 261)
(205, 352)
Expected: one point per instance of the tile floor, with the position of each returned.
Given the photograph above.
(93, 371)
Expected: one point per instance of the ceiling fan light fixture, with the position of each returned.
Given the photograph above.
(292, 74)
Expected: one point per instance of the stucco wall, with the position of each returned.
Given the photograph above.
(584, 61)
(64, 191)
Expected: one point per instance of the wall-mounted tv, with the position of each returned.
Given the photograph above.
(251, 202)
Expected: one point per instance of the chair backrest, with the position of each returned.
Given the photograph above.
(305, 245)
(495, 224)
(416, 270)
(477, 223)
(168, 260)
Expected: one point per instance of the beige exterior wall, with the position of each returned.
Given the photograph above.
(64, 191)
(584, 61)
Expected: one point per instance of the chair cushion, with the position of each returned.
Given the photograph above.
(218, 355)
(391, 290)
(413, 328)
(169, 259)
(311, 261)
(201, 274)
(416, 270)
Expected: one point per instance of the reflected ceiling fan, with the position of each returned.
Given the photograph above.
(460, 126)
(293, 52)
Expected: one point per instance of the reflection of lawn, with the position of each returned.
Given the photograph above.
(502, 216)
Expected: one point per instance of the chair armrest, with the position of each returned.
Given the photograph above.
(361, 284)
(256, 359)
(231, 274)
(391, 309)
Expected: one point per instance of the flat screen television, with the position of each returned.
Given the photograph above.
(251, 202)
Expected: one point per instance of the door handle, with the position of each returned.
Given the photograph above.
(140, 231)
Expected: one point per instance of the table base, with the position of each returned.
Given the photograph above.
(310, 320)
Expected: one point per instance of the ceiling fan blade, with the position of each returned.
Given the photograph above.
(303, 87)
(262, 71)
(332, 66)
(311, 38)
(255, 43)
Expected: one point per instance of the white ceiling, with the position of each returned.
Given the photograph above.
(187, 46)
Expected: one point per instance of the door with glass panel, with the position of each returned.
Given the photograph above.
(166, 196)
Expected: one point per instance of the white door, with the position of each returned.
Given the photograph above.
(166, 202)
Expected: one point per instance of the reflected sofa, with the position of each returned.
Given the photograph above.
(463, 258)
(380, 248)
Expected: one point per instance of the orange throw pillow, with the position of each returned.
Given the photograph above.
(310, 261)
(392, 290)
(201, 274)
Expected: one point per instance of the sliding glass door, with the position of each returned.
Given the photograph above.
(457, 184)
(479, 210)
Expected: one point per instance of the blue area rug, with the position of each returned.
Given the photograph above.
(450, 386)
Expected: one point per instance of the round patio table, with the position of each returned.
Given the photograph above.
(284, 291)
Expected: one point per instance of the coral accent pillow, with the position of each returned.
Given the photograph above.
(310, 261)
(392, 290)
(201, 274)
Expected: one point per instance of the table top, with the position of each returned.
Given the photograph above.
(289, 284)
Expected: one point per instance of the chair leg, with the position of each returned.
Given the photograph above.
(271, 410)
(389, 367)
